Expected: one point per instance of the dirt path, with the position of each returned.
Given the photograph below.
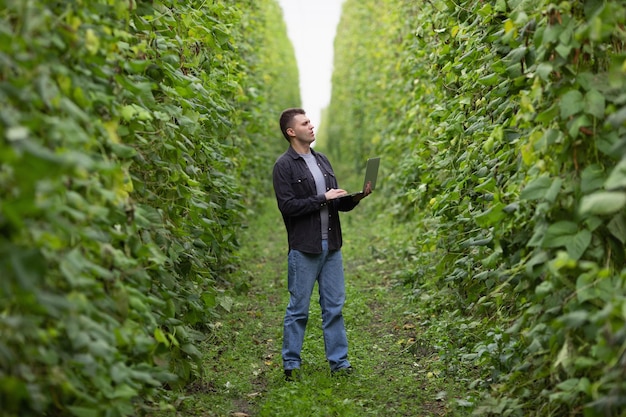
(398, 372)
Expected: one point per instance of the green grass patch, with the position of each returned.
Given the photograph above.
(395, 349)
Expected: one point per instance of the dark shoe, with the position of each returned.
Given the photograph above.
(342, 372)
(291, 374)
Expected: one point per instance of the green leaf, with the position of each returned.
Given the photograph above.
(537, 237)
(550, 136)
(584, 288)
(571, 103)
(548, 115)
(592, 178)
(209, 299)
(119, 372)
(583, 362)
(618, 118)
(559, 234)
(551, 34)
(226, 302)
(160, 337)
(491, 79)
(144, 376)
(536, 189)
(123, 151)
(544, 70)
(595, 103)
(564, 358)
(590, 285)
(128, 112)
(492, 216)
(568, 385)
(574, 319)
(578, 244)
(485, 11)
(28, 267)
(545, 287)
(617, 178)
(578, 122)
(617, 227)
(563, 50)
(124, 391)
(516, 55)
(538, 259)
(602, 202)
(191, 350)
(553, 192)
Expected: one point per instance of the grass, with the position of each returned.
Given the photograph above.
(395, 348)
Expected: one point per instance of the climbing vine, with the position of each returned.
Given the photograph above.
(123, 179)
(503, 150)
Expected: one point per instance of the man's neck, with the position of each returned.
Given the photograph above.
(301, 148)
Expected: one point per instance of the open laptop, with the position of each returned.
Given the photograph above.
(371, 174)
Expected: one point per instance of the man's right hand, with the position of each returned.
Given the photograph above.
(334, 193)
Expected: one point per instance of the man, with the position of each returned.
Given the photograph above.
(308, 198)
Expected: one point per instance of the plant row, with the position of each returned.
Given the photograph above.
(502, 128)
(134, 137)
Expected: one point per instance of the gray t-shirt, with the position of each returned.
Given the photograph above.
(320, 185)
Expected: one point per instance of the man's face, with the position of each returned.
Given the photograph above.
(302, 129)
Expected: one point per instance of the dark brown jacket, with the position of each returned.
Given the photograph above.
(300, 204)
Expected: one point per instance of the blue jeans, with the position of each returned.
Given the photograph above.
(303, 270)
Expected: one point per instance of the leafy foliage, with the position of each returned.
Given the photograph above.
(504, 156)
(359, 98)
(122, 184)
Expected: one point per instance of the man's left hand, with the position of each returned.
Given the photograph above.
(365, 193)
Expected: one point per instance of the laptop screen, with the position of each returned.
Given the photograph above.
(371, 172)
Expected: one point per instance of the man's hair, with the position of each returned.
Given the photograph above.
(286, 118)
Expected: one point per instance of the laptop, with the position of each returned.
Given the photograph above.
(371, 174)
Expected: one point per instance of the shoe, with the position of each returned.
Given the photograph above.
(347, 371)
(291, 374)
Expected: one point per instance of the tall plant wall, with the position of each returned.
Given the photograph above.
(360, 100)
(126, 129)
(270, 59)
(505, 158)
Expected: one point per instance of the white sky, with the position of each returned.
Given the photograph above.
(311, 26)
